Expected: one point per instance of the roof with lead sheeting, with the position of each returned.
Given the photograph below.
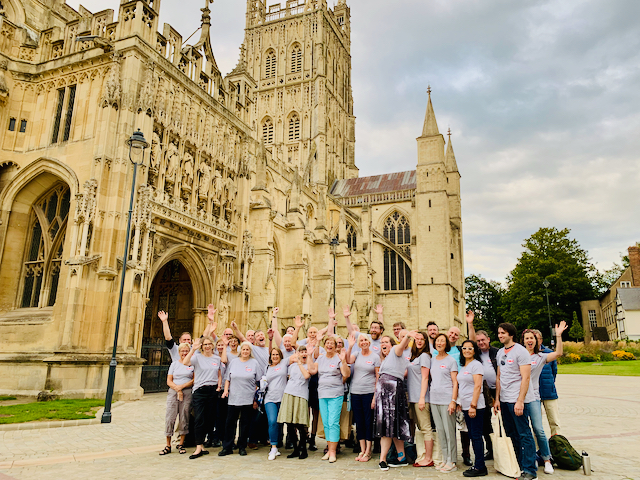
(389, 182)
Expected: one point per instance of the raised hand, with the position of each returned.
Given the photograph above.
(270, 333)
(342, 356)
(225, 340)
(378, 309)
(163, 316)
(561, 328)
(197, 344)
(332, 314)
(298, 321)
(346, 311)
(413, 334)
(469, 317)
(234, 325)
(352, 339)
(211, 312)
(275, 311)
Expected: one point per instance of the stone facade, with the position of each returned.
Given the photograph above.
(242, 190)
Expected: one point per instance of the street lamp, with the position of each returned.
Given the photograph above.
(546, 284)
(334, 247)
(137, 145)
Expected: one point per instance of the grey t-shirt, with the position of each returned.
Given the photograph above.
(329, 377)
(305, 341)
(181, 373)
(363, 380)
(173, 352)
(297, 386)
(394, 365)
(538, 360)
(489, 372)
(261, 354)
(441, 390)
(510, 377)
(205, 370)
(276, 381)
(466, 385)
(243, 378)
(414, 377)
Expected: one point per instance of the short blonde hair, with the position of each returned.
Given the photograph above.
(184, 345)
(248, 344)
(364, 336)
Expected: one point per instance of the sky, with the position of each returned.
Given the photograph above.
(541, 97)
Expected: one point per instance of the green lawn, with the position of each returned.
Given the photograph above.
(55, 410)
(6, 397)
(627, 368)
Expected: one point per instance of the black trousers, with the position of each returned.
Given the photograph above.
(204, 408)
(246, 414)
(221, 417)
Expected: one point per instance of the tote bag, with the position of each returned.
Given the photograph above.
(504, 457)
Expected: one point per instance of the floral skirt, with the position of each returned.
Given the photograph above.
(391, 409)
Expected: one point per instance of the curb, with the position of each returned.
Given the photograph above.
(57, 424)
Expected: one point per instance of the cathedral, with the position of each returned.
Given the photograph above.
(248, 196)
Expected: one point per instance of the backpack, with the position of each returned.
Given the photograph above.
(564, 455)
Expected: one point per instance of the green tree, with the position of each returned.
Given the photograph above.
(576, 331)
(548, 254)
(484, 297)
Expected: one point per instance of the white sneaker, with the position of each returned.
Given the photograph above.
(273, 454)
(548, 468)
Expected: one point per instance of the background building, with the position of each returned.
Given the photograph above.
(248, 179)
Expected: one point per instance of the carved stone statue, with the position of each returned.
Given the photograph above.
(187, 170)
(205, 179)
(173, 161)
(217, 183)
(156, 151)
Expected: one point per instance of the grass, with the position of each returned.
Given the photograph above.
(55, 410)
(6, 397)
(625, 368)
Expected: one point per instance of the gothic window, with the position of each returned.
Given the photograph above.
(267, 132)
(270, 65)
(352, 238)
(397, 274)
(43, 255)
(68, 94)
(294, 127)
(296, 59)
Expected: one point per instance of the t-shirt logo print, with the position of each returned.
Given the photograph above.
(332, 365)
(443, 366)
(510, 361)
(534, 363)
(248, 369)
(369, 362)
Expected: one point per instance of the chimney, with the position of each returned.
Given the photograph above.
(634, 264)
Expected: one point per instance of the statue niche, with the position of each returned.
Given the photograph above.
(173, 164)
(187, 175)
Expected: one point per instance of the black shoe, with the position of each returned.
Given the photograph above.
(394, 462)
(225, 452)
(294, 454)
(488, 456)
(242, 452)
(383, 466)
(312, 444)
(303, 454)
(473, 472)
(526, 476)
(467, 461)
(198, 455)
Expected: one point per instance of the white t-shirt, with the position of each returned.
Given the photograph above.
(466, 385)
(538, 361)
(509, 363)
(414, 378)
(441, 390)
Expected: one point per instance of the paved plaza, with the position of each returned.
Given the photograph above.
(600, 414)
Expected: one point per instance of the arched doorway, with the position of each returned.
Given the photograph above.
(172, 292)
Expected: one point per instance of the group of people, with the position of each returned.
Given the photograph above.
(243, 388)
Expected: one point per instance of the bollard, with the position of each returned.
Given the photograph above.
(586, 463)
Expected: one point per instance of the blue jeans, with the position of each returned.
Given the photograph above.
(475, 426)
(517, 428)
(272, 410)
(330, 409)
(363, 415)
(535, 411)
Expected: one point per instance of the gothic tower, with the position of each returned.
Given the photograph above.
(299, 55)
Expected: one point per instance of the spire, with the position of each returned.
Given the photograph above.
(430, 127)
(450, 157)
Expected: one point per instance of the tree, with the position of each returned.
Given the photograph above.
(576, 331)
(484, 297)
(548, 254)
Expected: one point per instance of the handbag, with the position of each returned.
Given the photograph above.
(504, 456)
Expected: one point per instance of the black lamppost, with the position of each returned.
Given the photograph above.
(334, 247)
(546, 288)
(137, 145)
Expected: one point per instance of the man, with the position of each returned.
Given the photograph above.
(432, 333)
(185, 337)
(489, 355)
(376, 329)
(284, 343)
(548, 392)
(397, 328)
(250, 337)
(513, 395)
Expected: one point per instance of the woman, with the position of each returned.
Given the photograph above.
(276, 383)
(471, 402)
(418, 388)
(232, 349)
(392, 411)
(443, 395)
(366, 367)
(240, 388)
(294, 410)
(332, 370)
(207, 375)
(180, 381)
(538, 360)
(221, 408)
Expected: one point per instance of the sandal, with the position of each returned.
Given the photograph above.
(181, 449)
(365, 457)
(359, 457)
(165, 451)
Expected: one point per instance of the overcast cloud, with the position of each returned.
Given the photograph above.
(542, 99)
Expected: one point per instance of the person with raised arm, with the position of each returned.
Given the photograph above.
(472, 403)
(538, 361)
(185, 337)
(333, 370)
(365, 365)
(284, 343)
(376, 328)
(391, 408)
(207, 377)
(514, 393)
(443, 396)
(276, 379)
(418, 393)
(294, 410)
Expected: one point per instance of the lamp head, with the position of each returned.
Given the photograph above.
(137, 145)
(546, 283)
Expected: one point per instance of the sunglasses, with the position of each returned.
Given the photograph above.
(503, 359)
(467, 348)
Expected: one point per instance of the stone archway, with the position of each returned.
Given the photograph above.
(171, 291)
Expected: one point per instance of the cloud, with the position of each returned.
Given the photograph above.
(541, 97)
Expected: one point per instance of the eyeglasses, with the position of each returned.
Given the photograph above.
(467, 348)
(209, 344)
